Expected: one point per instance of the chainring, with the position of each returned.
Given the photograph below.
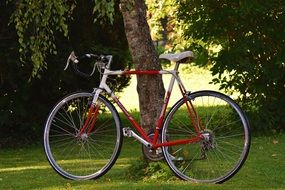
(151, 154)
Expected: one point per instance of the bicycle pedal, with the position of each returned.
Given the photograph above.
(127, 132)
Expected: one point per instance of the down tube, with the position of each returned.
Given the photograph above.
(130, 118)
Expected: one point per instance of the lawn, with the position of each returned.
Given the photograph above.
(27, 168)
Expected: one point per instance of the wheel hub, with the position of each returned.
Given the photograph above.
(82, 138)
(208, 141)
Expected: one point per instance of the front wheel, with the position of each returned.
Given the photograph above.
(79, 154)
(224, 137)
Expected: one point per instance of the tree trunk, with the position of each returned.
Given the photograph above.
(149, 87)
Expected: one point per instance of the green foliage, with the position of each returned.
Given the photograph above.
(149, 171)
(251, 58)
(104, 9)
(25, 101)
(136, 169)
(164, 25)
(36, 23)
(167, 30)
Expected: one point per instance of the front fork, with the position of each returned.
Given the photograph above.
(92, 115)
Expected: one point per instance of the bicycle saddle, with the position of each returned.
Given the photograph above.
(178, 57)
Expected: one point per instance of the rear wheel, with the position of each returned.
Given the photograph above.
(225, 138)
(87, 154)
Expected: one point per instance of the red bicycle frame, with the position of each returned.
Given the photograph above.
(94, 109)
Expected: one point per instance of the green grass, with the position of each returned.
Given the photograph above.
(27, 168)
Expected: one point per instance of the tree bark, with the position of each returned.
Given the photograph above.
(149, 87)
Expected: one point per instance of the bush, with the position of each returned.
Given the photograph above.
(251, 60)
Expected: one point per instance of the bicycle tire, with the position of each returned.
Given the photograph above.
(214, 159)
(85, 156)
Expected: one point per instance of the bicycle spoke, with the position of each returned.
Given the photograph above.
(221, 151)
(77, 155)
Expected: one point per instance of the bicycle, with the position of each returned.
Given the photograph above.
(204, 137)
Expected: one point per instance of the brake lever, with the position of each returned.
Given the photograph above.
(71, 57)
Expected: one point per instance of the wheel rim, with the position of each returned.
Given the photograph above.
(225, 141)
(81, 156)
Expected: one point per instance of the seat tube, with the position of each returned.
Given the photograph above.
(160, 121)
